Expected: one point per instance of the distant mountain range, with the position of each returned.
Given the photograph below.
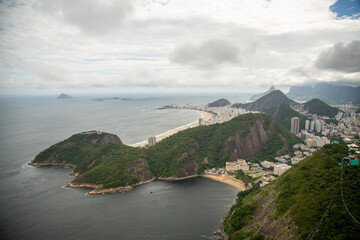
(257, 96)
(331, 94)
(278, 105)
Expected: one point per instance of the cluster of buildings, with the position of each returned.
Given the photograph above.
(239, 164)
(220, 114)
(317, 125)
(348, 123)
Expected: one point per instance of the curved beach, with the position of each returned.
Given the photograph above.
(206, 116)
(228, 180)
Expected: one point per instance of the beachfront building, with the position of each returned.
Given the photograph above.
(240, 164)
(151, 141)
(201, 121)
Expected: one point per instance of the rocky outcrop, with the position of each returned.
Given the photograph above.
(140, 169)
(110, 138)
(251, 144)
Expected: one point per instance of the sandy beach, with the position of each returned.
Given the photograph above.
(228, 180)
(204, 115)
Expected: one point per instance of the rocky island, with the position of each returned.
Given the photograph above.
(63, 96)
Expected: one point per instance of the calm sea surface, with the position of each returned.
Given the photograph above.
(34, 204)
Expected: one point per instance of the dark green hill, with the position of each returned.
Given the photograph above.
(101, 159)
(272, 99)
(219, 103)
(318, 107)
(283, 114)
(303, 203)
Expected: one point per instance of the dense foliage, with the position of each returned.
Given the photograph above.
(283, 114)
(240, 214)
(309, 192)
(107, 163)
(318, 107)
(243, 177)
(272, 99)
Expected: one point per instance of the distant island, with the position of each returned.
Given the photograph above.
(63, 96)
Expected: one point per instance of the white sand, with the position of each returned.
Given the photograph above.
(204, 115)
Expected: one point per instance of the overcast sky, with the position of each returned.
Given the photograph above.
(176, 45)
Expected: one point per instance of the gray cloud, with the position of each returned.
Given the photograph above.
(207, 54)
(344, 58)
(91, 16)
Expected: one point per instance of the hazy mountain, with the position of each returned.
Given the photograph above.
(63, 96)
(326, 92)
(257, 96)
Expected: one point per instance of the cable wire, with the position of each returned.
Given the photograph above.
(342, 196)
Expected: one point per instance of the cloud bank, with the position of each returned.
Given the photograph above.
(340, 57)
(232, 45)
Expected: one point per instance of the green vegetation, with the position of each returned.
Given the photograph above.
(240, 214)
(243, 177)
(302, 196)
(283, 114)
(318, 107)
(102, 159)
(272, 99)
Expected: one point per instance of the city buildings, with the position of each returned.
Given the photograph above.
(307, 125)
(151, 141)
(235, 166)
(281, 168)
(295, 125)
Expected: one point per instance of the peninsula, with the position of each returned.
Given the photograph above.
(101, 161)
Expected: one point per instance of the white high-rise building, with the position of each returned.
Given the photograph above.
(312, 126)
(318, 126)
(295, 123)
(307, 125)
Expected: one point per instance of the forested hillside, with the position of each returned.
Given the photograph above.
(306, 202)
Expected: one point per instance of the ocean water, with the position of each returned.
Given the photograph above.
(34, 204)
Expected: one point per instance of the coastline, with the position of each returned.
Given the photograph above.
(228, 180)
(206, 116)
(98, 190)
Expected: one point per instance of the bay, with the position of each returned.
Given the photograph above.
(34, 204)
